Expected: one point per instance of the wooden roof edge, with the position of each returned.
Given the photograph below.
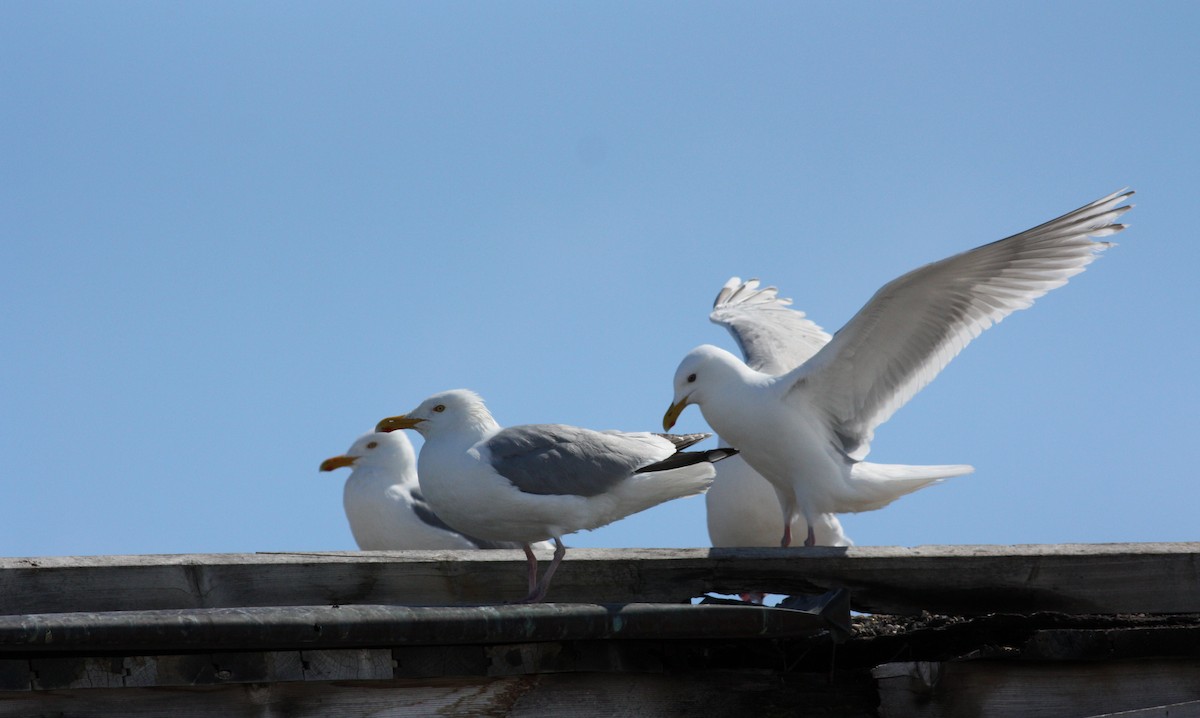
(372, 626)
(953, 580)
(606, 554)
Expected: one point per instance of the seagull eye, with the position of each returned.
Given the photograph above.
(439, 408)
(691, 378)
(372, 444)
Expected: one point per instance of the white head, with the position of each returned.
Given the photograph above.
(376, 450)
(703, 371)
(457, 410)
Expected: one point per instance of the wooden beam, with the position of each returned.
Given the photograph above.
(961, 580)
(707, 693)
(352, 627)
(1190, 709)
(1022, 689)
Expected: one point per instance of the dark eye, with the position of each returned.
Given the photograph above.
(372, 444)
(691, 378)
(439, 408)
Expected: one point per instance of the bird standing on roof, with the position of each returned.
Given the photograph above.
(384, 504)
(741, 506)
(808, 430)
(542, 481)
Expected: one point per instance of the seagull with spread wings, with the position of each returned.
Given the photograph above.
(741, 505)
(808, 429)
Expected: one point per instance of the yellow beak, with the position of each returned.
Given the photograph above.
(393, 423)
(673, 413)
(337, 462)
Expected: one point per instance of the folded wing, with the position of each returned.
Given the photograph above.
(568, 460)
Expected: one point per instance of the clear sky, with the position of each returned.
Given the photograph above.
(235, 235)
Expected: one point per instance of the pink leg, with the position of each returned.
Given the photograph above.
(532, 568)
(787, 535)
(811, 540)
(539, 592)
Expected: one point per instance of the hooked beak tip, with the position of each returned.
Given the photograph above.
(336, 462)
(673, 413)
(395, 423)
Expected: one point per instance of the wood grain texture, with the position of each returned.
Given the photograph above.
(707, 694)
(1190, 709)
(348, 664)
(1032, 690)
(961, 580)
(365, 626)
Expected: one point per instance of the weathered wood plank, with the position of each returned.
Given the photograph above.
(1191, 709)
(1012, 689)
(50, 673)
(371, 664)
(295, 700)
(964, 580)
(706, 694)
(15, 675)
(441, 661)
(357, 664)
(297, 627)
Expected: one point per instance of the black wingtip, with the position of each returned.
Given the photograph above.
(688, 458)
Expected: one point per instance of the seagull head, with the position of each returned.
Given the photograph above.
(376, 449)
(458, 410)
(701, 373)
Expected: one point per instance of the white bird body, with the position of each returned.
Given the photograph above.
(467, 493)
(377, 505)
(808, 429)
(742, 507)
(384, 504)
(743, 510)
(457, 476)
(542, 481)
(752, 410)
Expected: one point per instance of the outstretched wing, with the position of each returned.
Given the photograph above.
(916, 324)
(774, 338)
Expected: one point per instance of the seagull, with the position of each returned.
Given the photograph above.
(808, 429)
(742, 507)
(384, 503)
(541, 481)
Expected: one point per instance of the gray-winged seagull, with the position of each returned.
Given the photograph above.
(742, 507)
(808, 430)
(542, 481)
(384, 504)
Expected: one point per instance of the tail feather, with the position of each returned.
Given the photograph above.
(642, 491)
(877, 485)
(685, 473)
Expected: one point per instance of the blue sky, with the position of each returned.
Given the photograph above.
(236, 235)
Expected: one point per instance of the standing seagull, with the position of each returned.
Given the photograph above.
(538, 481)
(808, 430)
(742, 507)
(384, 503)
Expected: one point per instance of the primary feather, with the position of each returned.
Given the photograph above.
(807, 429)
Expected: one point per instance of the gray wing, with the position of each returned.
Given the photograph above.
(568, 460)
(916, 324)
(424, 512)
(683, 441)
(774, 338)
